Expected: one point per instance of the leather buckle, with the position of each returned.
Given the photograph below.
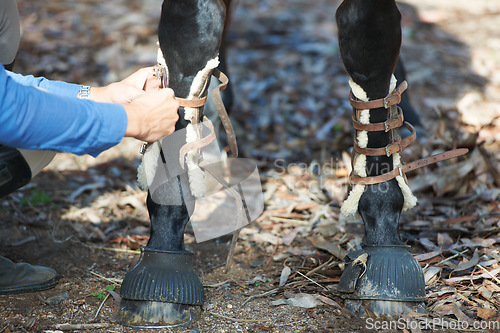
(392, 99)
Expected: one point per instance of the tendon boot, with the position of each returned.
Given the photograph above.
(25, 278)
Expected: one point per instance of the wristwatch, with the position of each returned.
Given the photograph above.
(84, 92)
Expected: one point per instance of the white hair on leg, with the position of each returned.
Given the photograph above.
(350, 205)
(195, 174)
(147, 169)
(410, 199)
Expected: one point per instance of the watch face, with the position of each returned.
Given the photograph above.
(84, 92)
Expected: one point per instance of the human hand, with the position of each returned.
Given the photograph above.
(128, 89)
(152, 116)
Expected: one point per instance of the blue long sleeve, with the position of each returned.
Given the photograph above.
(33, 119)
(59, 88)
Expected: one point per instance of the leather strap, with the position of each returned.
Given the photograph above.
(400, 171)
(221, 110)
(191, 103)
(391, 99)
(203, 142)
(396, 146)
(241, 208)
(161, 74)
(394, 122)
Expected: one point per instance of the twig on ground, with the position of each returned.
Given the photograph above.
(452, 257)
(215, 285)
(106, 279)
(272, 254)
(70, 327)
(311, 280)
(311, 272)
(232, 247)
(488, 272)
(113, 249)
(236, 319)
(270, 292)
(23, 217)
(100, 306)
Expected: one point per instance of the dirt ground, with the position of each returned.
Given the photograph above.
(86, 217)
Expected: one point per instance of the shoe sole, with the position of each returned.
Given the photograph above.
(31, 288)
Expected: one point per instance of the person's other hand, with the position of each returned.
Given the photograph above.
(128, 89)
(152, 116)
(143, 79)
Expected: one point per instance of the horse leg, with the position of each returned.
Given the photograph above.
(227, 94)
(163, 289)
(383, 272)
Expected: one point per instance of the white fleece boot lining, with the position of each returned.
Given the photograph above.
(350, 205)
(195, 174)
(147, 169)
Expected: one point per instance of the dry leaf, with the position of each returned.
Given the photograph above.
(468, 264)
(485, 313)
(285, 273)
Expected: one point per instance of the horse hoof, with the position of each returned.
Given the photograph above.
(382, 280)
(161, 290)
(371, 308)
(151, 314)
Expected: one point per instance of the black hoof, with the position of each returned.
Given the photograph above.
(161, 290)
(368, 308)
(383, 279)
(151, 314)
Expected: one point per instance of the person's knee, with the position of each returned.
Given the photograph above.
(14, 170)
(10, 31)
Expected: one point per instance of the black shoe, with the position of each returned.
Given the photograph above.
(25, 278)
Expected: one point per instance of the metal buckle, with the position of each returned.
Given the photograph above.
(387, 152)
(144, 148)
(386, 126)
(401, 173)
(160, 72)
(387, 101)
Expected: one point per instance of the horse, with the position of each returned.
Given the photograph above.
(163, 290)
